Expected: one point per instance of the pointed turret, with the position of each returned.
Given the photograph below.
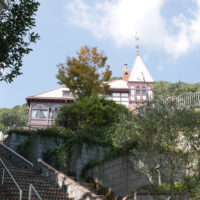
(139, 72)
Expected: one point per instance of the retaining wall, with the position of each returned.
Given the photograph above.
(41, 144)
(119, 175)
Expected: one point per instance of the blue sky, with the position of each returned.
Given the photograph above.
(169, 32)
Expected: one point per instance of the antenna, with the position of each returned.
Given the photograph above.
(137, 43)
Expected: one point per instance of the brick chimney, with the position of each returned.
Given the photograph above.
(126, 73)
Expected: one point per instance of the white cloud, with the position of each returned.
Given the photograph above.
(121, 19)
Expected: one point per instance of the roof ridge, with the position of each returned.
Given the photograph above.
(47, 91)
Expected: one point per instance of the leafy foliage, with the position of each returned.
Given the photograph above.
(192, 186)
(166, 135)
(15, 117)
(94, 112)
(178, 187)
(83, 74)
(16, 37)
(163, 89)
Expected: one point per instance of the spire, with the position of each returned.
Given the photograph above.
(139, 72)
(137, 44)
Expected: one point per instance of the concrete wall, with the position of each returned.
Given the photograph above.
(41, 144)
(155, 196)
(14, 140)
(83, 157)
(119, 175)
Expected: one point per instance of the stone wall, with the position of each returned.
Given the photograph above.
(119, 175)
(83, 157)
(14, 140)
(41, 144)
(155, 196)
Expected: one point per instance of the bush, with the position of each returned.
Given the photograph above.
(93, 112)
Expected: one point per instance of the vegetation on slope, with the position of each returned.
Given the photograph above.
(14, 117)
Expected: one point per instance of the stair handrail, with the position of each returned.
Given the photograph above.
(7, 170)
(70, 181)
(32, 188)
(16, 154)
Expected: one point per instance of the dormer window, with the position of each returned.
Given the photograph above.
(66, 93)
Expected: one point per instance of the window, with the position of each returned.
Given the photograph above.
(39, 106)
(138, 97)
(144, 91)
(67, 93)
(53, 111)
(144, 98)
(39, 114)
(138, 87)
(137, 91)
(116, 94)
(143, 87)
(124, 95)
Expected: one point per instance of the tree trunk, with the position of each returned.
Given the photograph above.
(172, 183)
(150, 178)
(159, 177)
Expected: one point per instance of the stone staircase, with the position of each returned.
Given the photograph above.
(25, 177)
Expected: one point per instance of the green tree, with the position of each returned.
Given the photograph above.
(167, 136)
(90, 112)
(84, 74)
(16, 36)
(164, 89)
(15, 117)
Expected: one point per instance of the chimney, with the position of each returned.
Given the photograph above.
(126, 73)
(125, 66)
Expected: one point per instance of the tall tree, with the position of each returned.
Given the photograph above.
(84, 74)
(167, 136)
(16, 36)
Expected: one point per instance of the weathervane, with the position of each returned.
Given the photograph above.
(137, 45)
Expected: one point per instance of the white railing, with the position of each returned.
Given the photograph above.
(191, 99)
(31, 188)
(3, 176)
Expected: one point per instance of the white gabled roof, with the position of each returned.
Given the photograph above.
(56, 93)
(118, 84)
(139, 72)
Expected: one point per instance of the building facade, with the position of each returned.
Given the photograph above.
(135, 89)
